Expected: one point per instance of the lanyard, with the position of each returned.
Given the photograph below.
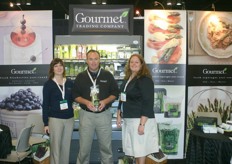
(123, 94)
(127, 84)
(61, 90)
(94, 81)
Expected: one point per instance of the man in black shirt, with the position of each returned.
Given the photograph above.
(95, 89)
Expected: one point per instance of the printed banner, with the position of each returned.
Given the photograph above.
(165, 54)
(101, 19)
(26, 49)
(209, 70)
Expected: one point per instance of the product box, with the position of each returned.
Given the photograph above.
(44, 161)
(200, 121)
(209, 129)
(156, 158)
(150, 160)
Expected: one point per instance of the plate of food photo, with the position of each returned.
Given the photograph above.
(215, 34)
(164, 38)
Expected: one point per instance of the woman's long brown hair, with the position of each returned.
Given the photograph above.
(52, 64)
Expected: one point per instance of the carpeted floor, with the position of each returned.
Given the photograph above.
(170, 161)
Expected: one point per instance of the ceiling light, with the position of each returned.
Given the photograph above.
(18, 2)
(12, 5)
(104, 2)
(137, 12)
(28, 2)
(179, 2)
(169, 2)
(94, 2)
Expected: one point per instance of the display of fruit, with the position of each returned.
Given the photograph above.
(23, 99)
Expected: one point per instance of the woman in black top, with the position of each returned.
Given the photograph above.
(58, 112)
(139, 128)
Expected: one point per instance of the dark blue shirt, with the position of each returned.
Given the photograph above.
(51, 101)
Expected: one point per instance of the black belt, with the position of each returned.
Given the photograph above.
(86, 109)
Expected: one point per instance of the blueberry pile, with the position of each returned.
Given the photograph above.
(24, 99)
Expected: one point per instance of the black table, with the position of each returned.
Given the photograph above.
(5, 141)
(205, 148)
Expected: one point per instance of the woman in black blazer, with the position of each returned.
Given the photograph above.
(139, 128)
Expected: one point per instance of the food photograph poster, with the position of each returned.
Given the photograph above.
(26, 50)
(209, 70)
(165, 54)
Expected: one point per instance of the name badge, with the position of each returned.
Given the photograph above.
(123, 96)
(63, 105)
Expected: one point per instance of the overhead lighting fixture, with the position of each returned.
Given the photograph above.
(28, 2)
(94, 2)
(156, 3)
(179, 2)
(98, 2)
(18, 2)
(23, 2)
(104, 2)
(137, 12)
(169, 2)
(12, 5)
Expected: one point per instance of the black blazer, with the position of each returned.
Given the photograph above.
(139, 98)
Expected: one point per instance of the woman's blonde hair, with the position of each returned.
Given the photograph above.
(144, 71)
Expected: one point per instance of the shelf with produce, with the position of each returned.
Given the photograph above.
(72, 68)
(121, 60)
(74, 60)
(113, 56)
(116, 67)
(78, 52)
(132, 50)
